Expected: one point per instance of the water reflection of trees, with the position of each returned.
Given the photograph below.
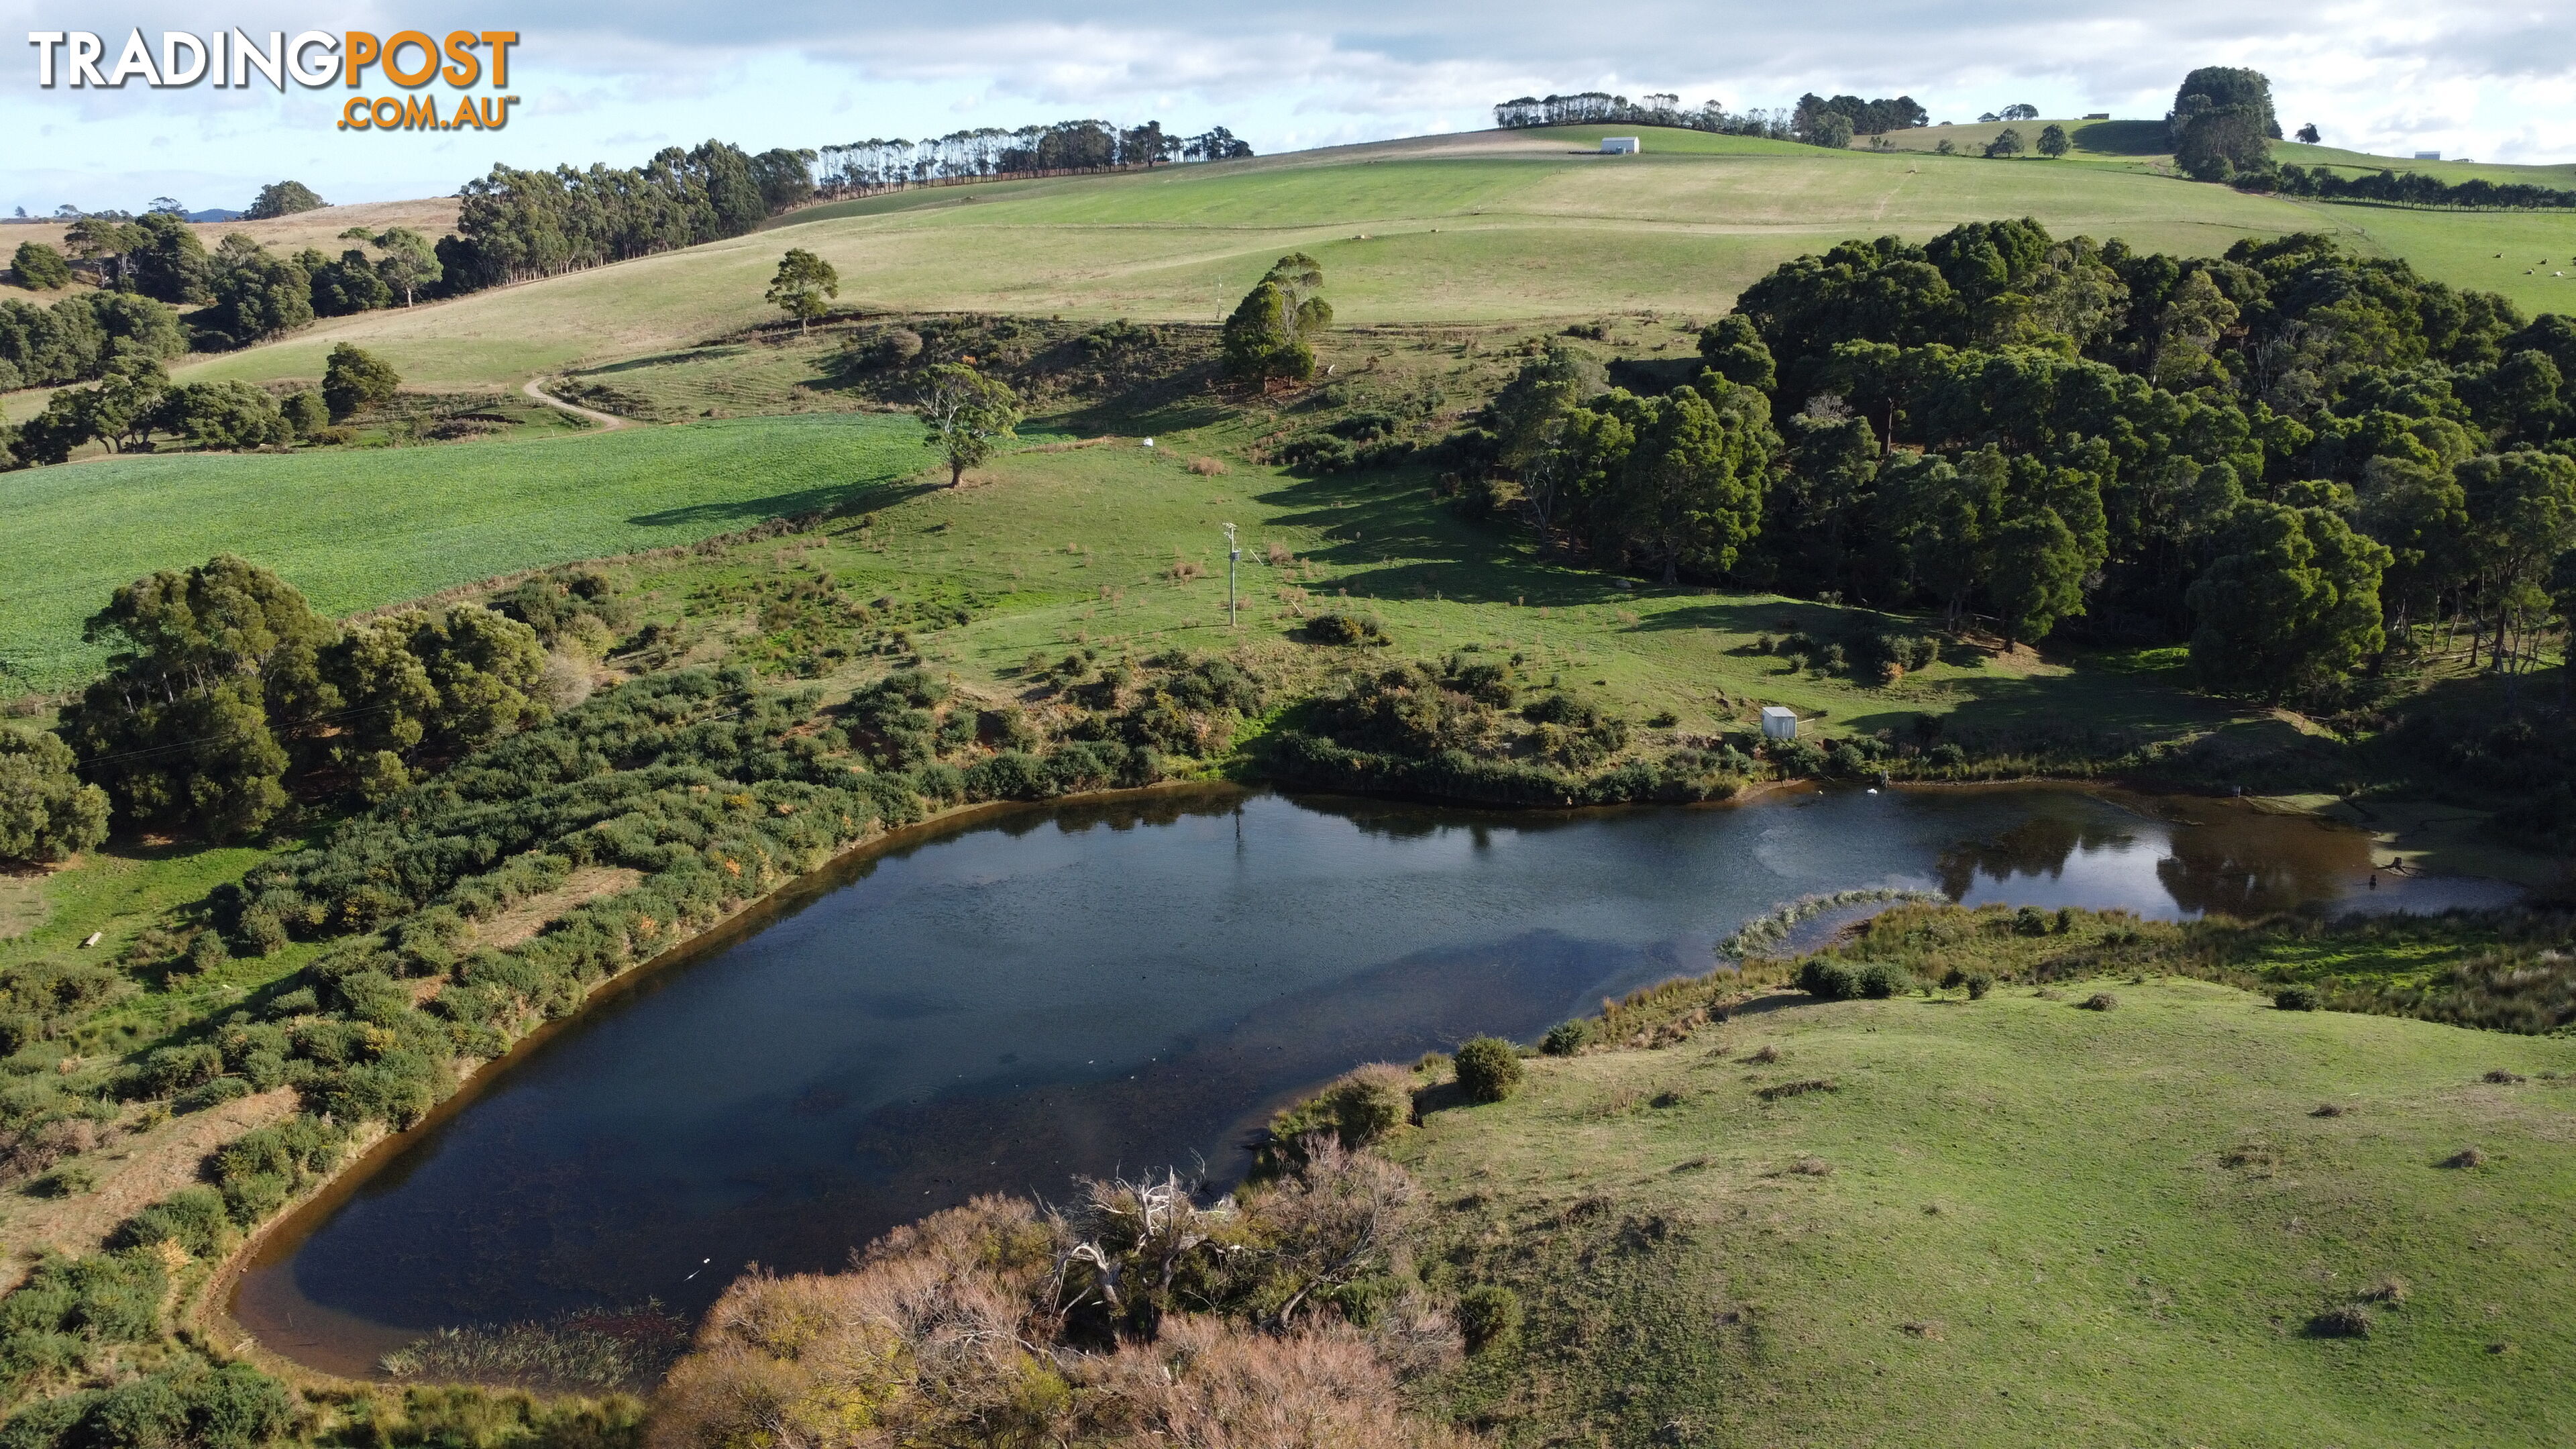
(2242, 868)
(2040, 845)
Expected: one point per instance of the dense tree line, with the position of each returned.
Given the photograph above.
(2403, 188)
(863, 168)
(1591, 107)
(1816, 119)
(2290, 457)
(515, 225)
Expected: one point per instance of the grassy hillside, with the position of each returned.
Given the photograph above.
(359, 529)
(1483, 226)
(2015, 1221)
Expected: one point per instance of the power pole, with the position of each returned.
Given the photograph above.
(1233, 555)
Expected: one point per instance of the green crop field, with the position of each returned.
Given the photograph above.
(1488, 226)
(2017, 1222)
(359, 529)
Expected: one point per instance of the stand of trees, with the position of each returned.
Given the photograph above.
(226, 686)
(1866, 118)
(78, 338)
(39, 268)
(864, 168)
(135, 399)
(283, 198)
(516, 225)
(2293, 458)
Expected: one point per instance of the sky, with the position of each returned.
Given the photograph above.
(615, 82)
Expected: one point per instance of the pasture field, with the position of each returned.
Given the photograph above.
(1480, 227)
(363, 528)
(2015, 1221)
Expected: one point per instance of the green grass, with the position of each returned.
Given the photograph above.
(2034, 1225)
(1076, 547)
(359, 529)
(116, 892)
(1479, 227)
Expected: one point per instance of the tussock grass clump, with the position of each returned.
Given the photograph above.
(1207, 467)
(2327, 1109)
(2502, 1078)
(595, 1351)
(1812, 1167)
(1782, 1091)
(2464, 1159)
(2099, 1001)
(2349, 1321)
(2390, 1290)
(1766, 1054)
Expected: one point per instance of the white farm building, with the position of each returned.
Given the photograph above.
(1620, 146)
(1779, 722)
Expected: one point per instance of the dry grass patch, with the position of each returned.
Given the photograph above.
(135, 1170)
(521, 922)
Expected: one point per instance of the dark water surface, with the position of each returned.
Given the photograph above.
(1079, 990)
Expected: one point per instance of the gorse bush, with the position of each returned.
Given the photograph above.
(1489, 1068)
(1489, 1314)
(1340, 628)
(1360, 1108)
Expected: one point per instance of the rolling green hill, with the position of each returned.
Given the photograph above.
(356, 530)
(2016, 1222)
(1485, 226)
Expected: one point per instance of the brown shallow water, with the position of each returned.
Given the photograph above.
(1009, 1003)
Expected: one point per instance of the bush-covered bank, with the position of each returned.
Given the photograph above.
(714, 791)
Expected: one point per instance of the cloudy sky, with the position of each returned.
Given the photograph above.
(613, 82)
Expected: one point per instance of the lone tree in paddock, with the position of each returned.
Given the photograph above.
(1273, 330)
(804, 280)
(964, 414)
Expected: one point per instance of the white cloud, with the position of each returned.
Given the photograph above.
(2487, 79)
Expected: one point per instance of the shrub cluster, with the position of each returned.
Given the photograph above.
(1832, 980)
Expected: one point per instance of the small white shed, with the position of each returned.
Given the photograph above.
(1779, 722)
(1620, 146)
